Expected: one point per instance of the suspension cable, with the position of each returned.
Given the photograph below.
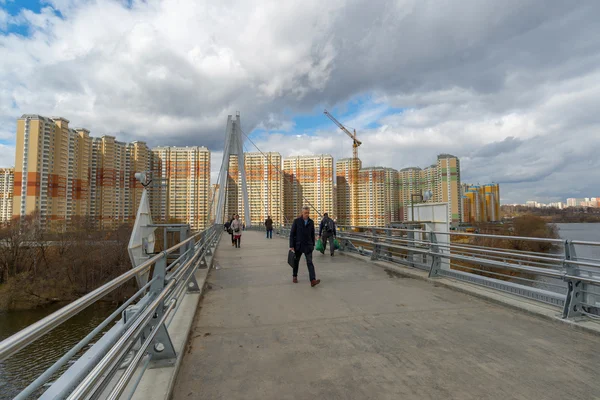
(280, 172)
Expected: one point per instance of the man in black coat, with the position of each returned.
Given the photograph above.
(302, 241)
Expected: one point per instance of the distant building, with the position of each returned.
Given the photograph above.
(574, 202)
(441, 179)
(184, 194)
(308, 181)
(7, 176)
(481, 203)
(378, 202)
(264, 181)
(346, 212)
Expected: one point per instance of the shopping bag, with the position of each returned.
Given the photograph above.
(319, 246)
(291, 258)
(336, 244)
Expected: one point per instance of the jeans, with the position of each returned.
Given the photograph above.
(269, 233)
(309, 264)
(330, 237)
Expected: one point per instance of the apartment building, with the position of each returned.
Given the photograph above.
(7, 176)
(480, 203)
(441, 179)
(46, 181)
(184, 192)
(308, 181)
(378, 201)
(409, 184)
(233, 200)
(448, 186)
(264, 181)
(345, 211)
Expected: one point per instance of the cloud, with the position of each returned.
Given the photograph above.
(512, 88)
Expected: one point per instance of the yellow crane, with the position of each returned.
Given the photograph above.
(353, 170)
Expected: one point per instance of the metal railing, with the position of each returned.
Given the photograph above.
(108, 366)
(541, 269)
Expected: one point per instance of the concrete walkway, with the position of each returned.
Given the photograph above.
(368, 333)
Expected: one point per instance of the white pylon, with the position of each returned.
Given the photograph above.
(233, 146)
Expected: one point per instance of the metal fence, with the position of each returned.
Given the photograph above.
(541, 269)
(139, 336)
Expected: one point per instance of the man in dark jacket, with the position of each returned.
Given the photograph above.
(327, 231)
(302, 241)
(269, 226)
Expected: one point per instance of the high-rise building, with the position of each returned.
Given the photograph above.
(481, 203)
(184, 192)
(346, 213)
(114, 192)
(51, 163)
(410, 185)
(378, 202)
(441, 179)
(308, 181)
(448, 186)
(264, 181)
(7, 176)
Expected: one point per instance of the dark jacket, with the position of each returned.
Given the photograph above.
(322, 227)
(302, 238)
(269, 224)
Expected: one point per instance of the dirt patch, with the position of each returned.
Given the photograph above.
(394, 274)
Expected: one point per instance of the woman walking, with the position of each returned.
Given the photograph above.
(230, 229)
(237, 227)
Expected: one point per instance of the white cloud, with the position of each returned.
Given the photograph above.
(470, 75)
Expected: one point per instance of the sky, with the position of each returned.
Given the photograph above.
(510, 87)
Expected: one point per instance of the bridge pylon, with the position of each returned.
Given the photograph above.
(233, 146)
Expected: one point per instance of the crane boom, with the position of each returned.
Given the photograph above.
(343, 128)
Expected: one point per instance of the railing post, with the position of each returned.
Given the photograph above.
(436, 260)
(376, 248)
(410, 235)
(162, 347)
(575, 287)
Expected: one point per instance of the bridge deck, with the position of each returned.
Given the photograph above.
(368, 333)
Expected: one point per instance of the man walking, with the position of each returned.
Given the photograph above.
(327, 232)
(302, 241)
(269, 226)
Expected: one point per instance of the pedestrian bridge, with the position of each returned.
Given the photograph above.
(369, 332)
(211, 321)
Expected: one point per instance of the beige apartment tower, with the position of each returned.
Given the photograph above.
(378, 202)
(264, 180)
(346, 212)
(7, 176)
(448, 186)
(308, 181)
(184, 193)
(51, 169)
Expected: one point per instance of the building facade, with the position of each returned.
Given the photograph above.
(264, 181)
(308, 181)
(7, 176)
(378, 201)
(183, 193)
(345, 211)
(481, 203)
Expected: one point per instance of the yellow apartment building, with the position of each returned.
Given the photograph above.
(308, 181)
(378, 201)
(185, 176)
(7, 176)
(345, 211)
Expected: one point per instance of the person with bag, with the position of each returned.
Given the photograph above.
(237, 227)
(302, 241)
(269, 227)
(327, 231)
(230, 231)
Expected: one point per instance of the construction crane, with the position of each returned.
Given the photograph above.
(355, 142)
(353, 170)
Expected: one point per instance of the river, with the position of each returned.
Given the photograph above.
(29, 363)
(22, 368)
